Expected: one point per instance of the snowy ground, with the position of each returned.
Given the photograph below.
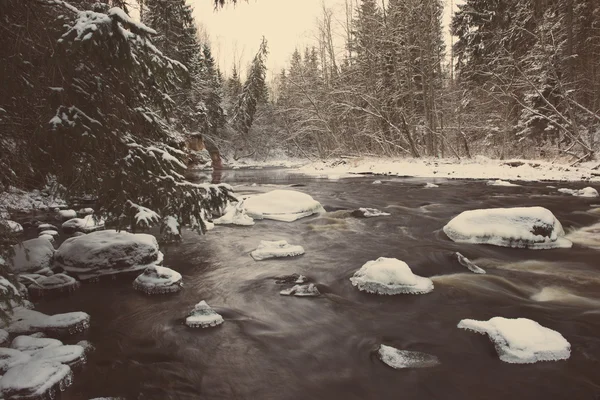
(476, 168)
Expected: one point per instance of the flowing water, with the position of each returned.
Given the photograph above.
(278, 347)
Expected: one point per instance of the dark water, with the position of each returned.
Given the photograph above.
(277, 347)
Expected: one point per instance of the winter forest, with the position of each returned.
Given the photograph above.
(132, 160)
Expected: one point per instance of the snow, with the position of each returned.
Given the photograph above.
(377, 182)
(46, 227)
(66, 214)
(144, 217)
(31, 345)
(390, 276)
(85, 211)
(170, 229)
(521, 227)
(72, 355)
(49, 238)
(106, 253)
(32, 256)
(476, 168)
(35, 380)
(20, 200)
(369, 213)
(399, 359)
(3, 337)
(203, 316)
(122, 16)
(158, 280)
(309, 290)
(521, 340)
(86, 224)
(11, 357)
(235, 215)
(25, 321)
(465, 262)
(282, 205)
(14, 227)
(278, 248)
(430, 185)
(57, 283)
(500, 183)
(53, 234)
(585, 192)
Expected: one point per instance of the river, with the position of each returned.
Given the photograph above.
(278, 347)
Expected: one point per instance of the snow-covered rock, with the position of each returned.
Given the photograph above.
(85, 211)
(26, 321)
(399, 359)
(31, 345)
(585, 192)
(49, 238)
(282, 205)
(203, 316)
(278, 248)
(46, 227)
(50, 232)
(14, 227)
(40, 379)
(107, 253)
(430, 185)
(86, 224)
(500, 182)
(235, 215)
(309, 290)
(465, 262)
(521, 340)
(376, 182)
(369, 213)
(53, 284)
(72, 355)
(32, 256)
(522, 227)
(3, 337)
(390, 276)
(64, 215)
(158, 280)
(11, 357)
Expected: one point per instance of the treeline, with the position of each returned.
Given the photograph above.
(523, 80)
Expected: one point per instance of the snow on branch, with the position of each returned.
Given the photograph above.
(144, 217)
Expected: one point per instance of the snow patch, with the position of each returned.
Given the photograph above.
(25, 321)
(400, 359)
(30, 345)
(53, 284)
(235, 215)
(158, 280)
(369, 213)
(500, 182)
(203, 316)
(278, 248)
(86, 224)
(38, 379)
(32, 256)
(430, 185)
(390, 276)
(585, 192)
(282, 205)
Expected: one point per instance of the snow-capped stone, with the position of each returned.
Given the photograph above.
(309, 290)
(390, 276)
(430, 185)
(63, 215)
(158, 280)
(50, 232)
(282, 205)
(3, 337)
(376, 182)
(31, 345)
(400, 359)
(235, 215)
(585, 192)
(203, 316)
(40, 379)
(72, 355)
(14, 227)
(32, 256)
(46, 227)
(500, 182)
(278, 248)
(521, 340)
(26, 321)
(522, 227)
(10, 358)
(465, 262)
(294, 278)
(107, 253)
(86, 224)
(48, 238)
(53, 284)
(7, 289)
(369, 213)
(85, 211)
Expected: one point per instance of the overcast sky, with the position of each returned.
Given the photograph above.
(235, 31)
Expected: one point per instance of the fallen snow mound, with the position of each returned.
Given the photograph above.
(521, 340)
(40, 379)
(278, 248)
(25, 321)
(11, 357)
(521, 227)
(585, 192)
(32, 256)
(282, 205)
(86, 224)
(158, 280)
(31, 345)
(399, 359)
(235, 215)
(53, 284)
(390, 276)
(203, 316)
(106, 253)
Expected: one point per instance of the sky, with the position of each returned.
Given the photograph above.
(235, 31)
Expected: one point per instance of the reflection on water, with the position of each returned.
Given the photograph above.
(278, 347)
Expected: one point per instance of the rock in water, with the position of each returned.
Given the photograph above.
(31, 345)
(107, 253)
(430, 185)
(50, 232)
(203, 316)
(63, 215)
(53, 284)
(72, 355)
(278, 248)
(3, 337)
(86, 224)
(368, 213)
(521, 340)
(400, 359)
(465, 262)
(235, 215)
(12, 357)
(46, 227)
(521, 227)
(158, 280)
(15, 227)
(32, 256)
(309, 290)
(282, 205)
(26, 321)
(390, 276)
(36, 380)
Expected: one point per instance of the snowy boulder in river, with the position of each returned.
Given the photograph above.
(278, 248)
(46, 227)
(308, 290)
(72, 355)
(203, 316)
(158, 280)
(11, 357)
(390, 276)
(107, 253)
(63, 215)
(399, 359)
(25, 321)
(14, 227)
(500, 183)
(521, 340)
(53, 284)
(32, 256)
(585, 192)
(522, 227)
(40, 379)
(282, 205)
(86, 224)
(235, 215)
(31, 345)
